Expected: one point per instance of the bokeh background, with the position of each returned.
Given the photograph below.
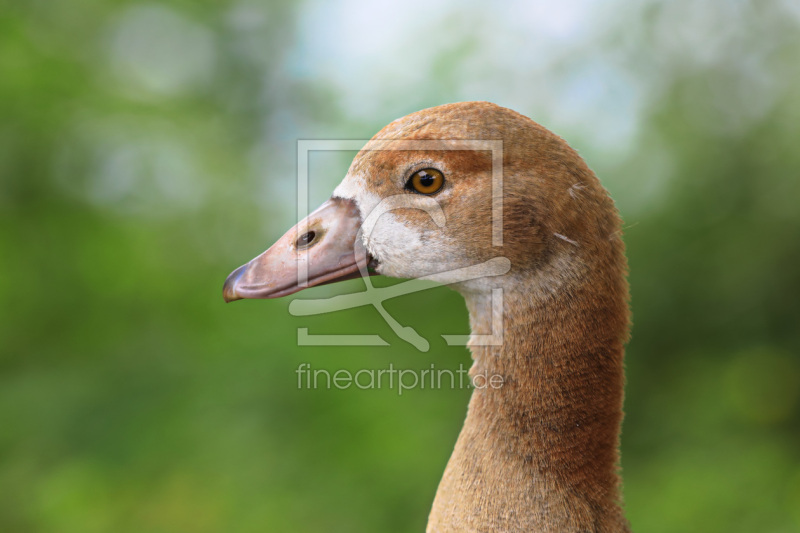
(148, 148)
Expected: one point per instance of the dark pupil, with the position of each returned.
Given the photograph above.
(304, 240)
(426, 180)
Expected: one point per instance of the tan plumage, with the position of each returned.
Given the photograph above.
(540, 452)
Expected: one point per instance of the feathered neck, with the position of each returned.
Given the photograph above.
(540, 453)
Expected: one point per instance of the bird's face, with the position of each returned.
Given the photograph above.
(400, 213)
(422, 212)
(418, 201)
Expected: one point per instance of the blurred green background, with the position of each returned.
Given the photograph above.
(149, 148)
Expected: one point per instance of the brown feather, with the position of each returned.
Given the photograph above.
(540, 452)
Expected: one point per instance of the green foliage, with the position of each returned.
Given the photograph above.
(146, 150)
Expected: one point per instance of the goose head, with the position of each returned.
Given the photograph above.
(436, 193)
(440, 190)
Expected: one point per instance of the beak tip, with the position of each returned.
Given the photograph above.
(230, 297)
(229, 293)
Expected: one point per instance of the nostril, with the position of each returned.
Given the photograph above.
(306, 240)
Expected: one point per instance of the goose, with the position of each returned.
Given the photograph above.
(540, 452)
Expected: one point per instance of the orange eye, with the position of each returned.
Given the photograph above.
(426, 181)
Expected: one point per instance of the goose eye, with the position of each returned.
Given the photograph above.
(426, 181)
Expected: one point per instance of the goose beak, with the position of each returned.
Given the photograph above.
(325, 247)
